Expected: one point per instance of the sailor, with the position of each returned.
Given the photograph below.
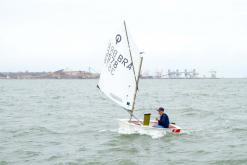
(163, 121)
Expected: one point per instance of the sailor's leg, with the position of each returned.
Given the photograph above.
(159, 126)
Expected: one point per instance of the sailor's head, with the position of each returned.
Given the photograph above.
(160, 110)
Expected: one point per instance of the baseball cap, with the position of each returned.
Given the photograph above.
(161, 109)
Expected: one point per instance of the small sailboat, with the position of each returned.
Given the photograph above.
(119, 80)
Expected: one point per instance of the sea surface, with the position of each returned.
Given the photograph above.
(70, 122)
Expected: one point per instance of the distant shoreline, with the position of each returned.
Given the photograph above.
(60, 74)
(63, 74)
(1, 78)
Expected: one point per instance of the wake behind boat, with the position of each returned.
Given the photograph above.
(119, 81)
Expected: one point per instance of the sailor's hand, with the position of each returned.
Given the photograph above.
(156, 119)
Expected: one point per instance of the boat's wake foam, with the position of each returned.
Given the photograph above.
(129, 128)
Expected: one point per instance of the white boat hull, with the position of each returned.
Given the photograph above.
(134, 127)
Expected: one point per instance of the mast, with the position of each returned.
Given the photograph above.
(137, 82)
(138, 76)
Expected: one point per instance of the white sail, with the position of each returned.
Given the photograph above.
(120, 73)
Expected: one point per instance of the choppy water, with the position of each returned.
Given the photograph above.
(71, 122)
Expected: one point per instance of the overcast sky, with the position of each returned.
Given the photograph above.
(47, 35)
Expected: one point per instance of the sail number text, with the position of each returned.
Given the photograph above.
(113, 59)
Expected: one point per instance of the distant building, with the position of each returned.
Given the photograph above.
(2, 76)
(67, 74)
(213, 74)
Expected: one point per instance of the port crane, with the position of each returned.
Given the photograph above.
(177, 74)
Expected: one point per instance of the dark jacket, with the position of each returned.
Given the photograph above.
(164, 121)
